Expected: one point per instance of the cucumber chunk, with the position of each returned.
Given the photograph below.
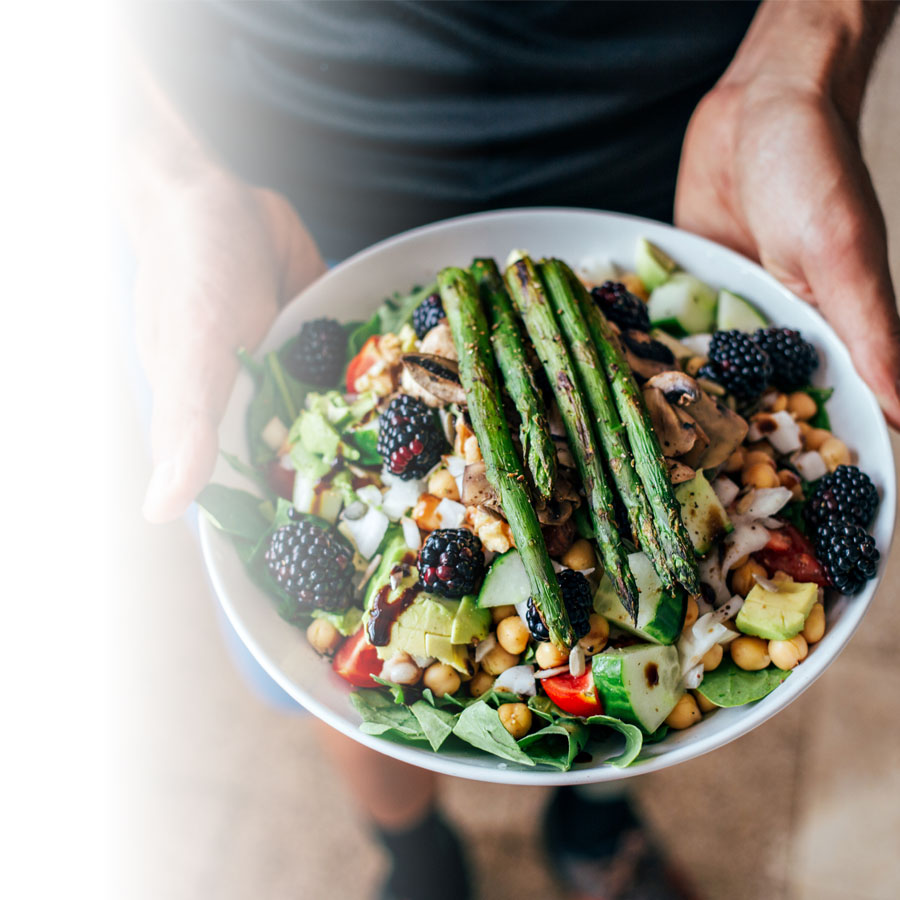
(703, 514)
(660, 614)
(652, 265)
(640, 683)
(506, 582)
(736, 312)
(683, 305)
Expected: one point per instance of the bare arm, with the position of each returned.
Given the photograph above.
(771, 165)
(215, 260)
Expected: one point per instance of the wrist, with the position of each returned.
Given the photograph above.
(822, 50)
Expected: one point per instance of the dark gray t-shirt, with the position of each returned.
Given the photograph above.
(373, 117)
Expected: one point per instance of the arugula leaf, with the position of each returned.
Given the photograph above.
(821, 396)
(437, 724)
(634, 739)
(728, 685)
(480, 726)
(235, 512)
(556, 745)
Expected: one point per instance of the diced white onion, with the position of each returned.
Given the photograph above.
(711, 574)
(517, 680)
(786, 437)
(745, 539)
(702, 636)
(522, 609)
(482, 648)
(810, 465)
(366, 532)
(766, 502)
(765, 583)
(423, 662)
(694, 677)
(400, 496)
(558, 566)
(577, 661)
(411, 533)
(370, 494)
(356, 510)
(450, 513)
(697, 343)
(728, 610)
(456, 465)
(726, 490)
(549, 673)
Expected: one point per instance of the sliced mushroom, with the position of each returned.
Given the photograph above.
(437, 375)
(439, 342)
(696, 453)
(679, 472)
(723, 428)
(477, 490)
(676, 435)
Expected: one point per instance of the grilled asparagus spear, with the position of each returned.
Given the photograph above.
(538, 449)
(478, 374)
(540, 322)
(648, 458)
(609, 429)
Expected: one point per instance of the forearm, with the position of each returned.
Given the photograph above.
(825, 48)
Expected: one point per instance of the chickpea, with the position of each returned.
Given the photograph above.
(704, 704)
(791, 481)
(750, 653)
(759, 475)
(480, 684)
(580, 555)
(515, 718)
(694, 364)
(801, 406)
(443, 484)
(498, 660)
(757, 456)
(549, 656)
(817, 437)
(442, 679)
(835, 453)
(805, 431)
(691, 611)
(513, 635)
(712, 658)
(401, 669)
(735, 462)
(499, 613)
(814, 629)
(763, 446)
(323, 636)
(742, 580)
(779, 403)
(595, 640)
(685, 714)
(786, 654)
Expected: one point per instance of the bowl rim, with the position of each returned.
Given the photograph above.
(497, 771)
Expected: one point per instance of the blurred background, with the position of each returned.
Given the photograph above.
(221, 795)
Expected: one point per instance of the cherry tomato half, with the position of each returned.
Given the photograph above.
(576, 695)
(357, 660)
(362, 362)
(789, 551)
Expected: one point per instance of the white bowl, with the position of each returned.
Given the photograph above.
(355, 288)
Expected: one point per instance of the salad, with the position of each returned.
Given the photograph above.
(537, 510)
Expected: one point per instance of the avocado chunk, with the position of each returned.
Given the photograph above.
(394, 552)
(470, 622)
(777, 615)
(653, 266)
(703, 514)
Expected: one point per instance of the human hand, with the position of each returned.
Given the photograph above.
(771, 166)
(216, 260)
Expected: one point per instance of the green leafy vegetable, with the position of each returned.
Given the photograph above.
(480, 726)
(556, 745)
(346, 622)
(728, 685)
(436, 724)
(382, 717)
(634, 739)
(391, 316)
(235, 512)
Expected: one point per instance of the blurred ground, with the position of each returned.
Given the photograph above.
(226, 798)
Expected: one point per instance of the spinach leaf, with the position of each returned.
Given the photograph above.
(249, 472)
(657, 735)
(634, 739)
(556, 745)
(436, 724)
(235, 512)
(727, 685)
(821, 396)
(480, 726)
(381, 716)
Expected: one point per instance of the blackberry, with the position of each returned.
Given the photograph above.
(427, 314)
(619, 305)
(576, 592)
(846, 493)
(451, 562)
(311, 564)
(643, 346)
(409, 438)
(738, 364)
(849, 554)
(793, 359)
(319, 354)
